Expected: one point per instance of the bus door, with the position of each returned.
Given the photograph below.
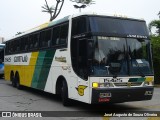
(79, 56)
(83, 84)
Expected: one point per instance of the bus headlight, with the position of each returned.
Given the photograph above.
(101, 85)
(95, 85)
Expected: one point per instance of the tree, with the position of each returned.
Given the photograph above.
(53, 11)
(156, 24)
(18, 33)
(84, 3)
(156, 57)
(159, 14)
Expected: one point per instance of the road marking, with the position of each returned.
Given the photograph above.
(153, 118)
(105, 118)
(152, 106)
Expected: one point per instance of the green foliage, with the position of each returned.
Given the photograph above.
(156, 24)
(156, 47)
(156, 57)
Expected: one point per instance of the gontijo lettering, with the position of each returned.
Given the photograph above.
(21, 58)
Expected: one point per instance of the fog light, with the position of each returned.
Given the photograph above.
(148, 83)
(95, 85)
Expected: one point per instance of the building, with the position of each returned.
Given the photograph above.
(1, 39)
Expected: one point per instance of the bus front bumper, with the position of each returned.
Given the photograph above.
(118, 95)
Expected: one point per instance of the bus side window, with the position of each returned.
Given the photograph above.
(63, 34)
(14, 46)
(78, 27)
(30, 43)
(18, 42)
(55, 38)
(10, 48)
(48, 37)
(42, 39)
(35, 41)
(25, 44)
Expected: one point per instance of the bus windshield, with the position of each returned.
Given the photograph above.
(116, 47)
(121, 56)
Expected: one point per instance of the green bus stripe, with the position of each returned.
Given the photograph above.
(136, 80)
(45, 69)
(42, 69)
(38, 68)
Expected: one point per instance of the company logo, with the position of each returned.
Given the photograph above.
(6, 114)
(81, 89)
(21, 58)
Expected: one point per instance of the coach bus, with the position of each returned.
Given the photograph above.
(91, 58)
(2, 60)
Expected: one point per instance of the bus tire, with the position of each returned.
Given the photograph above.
(1, 76)
(12, 78)
(64, 94)
(17, 79)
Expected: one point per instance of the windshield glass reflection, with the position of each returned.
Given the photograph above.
(139, 56)
(121, 56)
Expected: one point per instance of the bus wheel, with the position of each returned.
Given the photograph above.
(18, 82)
(13, 79)
(64, 94)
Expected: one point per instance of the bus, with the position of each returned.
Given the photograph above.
(2, 60)
(88, 57)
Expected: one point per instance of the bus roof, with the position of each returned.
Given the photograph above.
(52, 23)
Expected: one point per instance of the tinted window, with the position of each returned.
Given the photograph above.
(55, 37)
(48, 38)
(118, 26)
(11, 47)
(60, 35)
(63, 34)
(17, 45)
(33, 41)
(79, 26)
(42, 39)
(25, 43)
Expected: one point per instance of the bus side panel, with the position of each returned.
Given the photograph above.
(55, 70)
(26, 73)
(7, 71)
(42, 68)
(25, 70)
